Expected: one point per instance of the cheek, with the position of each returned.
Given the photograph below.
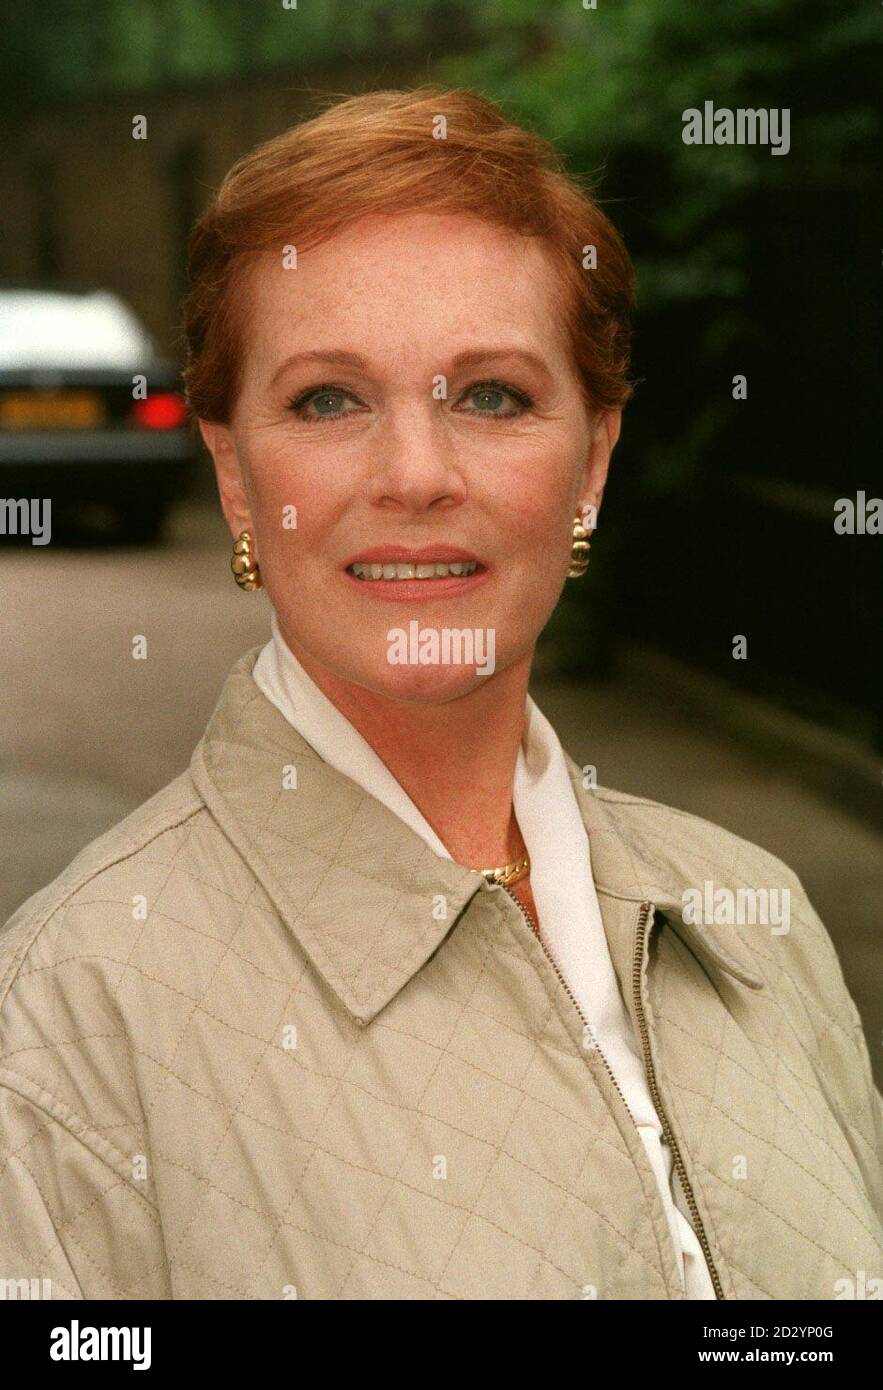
(540, 510)
(293, 503)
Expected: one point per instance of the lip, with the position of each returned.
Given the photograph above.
(412, 591)
(402, 555)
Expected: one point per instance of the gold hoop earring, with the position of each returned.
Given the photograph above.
(579, 554)
(244, 565)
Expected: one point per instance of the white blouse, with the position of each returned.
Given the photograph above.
(561, 880)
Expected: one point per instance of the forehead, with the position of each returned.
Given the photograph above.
(409, 282)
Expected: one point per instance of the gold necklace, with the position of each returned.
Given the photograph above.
(508, 874)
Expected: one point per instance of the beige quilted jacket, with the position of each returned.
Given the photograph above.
(259, 1042)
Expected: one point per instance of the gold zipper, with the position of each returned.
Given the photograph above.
(567, 990)
(640, 938)
(645, 917)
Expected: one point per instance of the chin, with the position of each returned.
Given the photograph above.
(424, 684)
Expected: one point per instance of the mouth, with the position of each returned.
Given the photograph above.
(430, 571)
(390, 564)
(437, 569)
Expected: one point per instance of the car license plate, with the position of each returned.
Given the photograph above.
(50, 410)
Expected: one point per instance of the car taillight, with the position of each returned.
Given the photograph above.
(164, 410)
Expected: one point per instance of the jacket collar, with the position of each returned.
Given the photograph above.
(367, 900)
(645, 852)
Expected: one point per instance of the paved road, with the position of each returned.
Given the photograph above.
(87, 732)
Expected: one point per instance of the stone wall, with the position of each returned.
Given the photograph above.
(83, 201)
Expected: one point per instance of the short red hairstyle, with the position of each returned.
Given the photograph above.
(378, 153)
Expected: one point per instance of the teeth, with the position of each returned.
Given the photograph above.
(436, 570)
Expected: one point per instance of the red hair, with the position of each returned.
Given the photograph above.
(377, 153)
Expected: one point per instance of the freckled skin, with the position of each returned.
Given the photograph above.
(397, 466)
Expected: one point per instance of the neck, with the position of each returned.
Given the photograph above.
(456, 761)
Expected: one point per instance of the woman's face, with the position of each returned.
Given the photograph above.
(408, 400)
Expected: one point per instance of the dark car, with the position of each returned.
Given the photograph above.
(89, 410)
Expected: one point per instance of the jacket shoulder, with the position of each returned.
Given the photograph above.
(167, 861)
(743, 897)
(155, 828)
(805, 996)
(763, 917)
(70, 1097)
(683, 838)
(63, 1039)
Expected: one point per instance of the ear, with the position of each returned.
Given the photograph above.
(605, 433)
(228, 471)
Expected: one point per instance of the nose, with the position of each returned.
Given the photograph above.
(415, 467)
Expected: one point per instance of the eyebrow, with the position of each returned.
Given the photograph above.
(475, 356)
(472, 357)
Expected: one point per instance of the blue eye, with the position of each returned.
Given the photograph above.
(327, 400)
(489, 396)
(325, 403)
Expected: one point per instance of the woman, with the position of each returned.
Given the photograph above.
(377, 1000)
